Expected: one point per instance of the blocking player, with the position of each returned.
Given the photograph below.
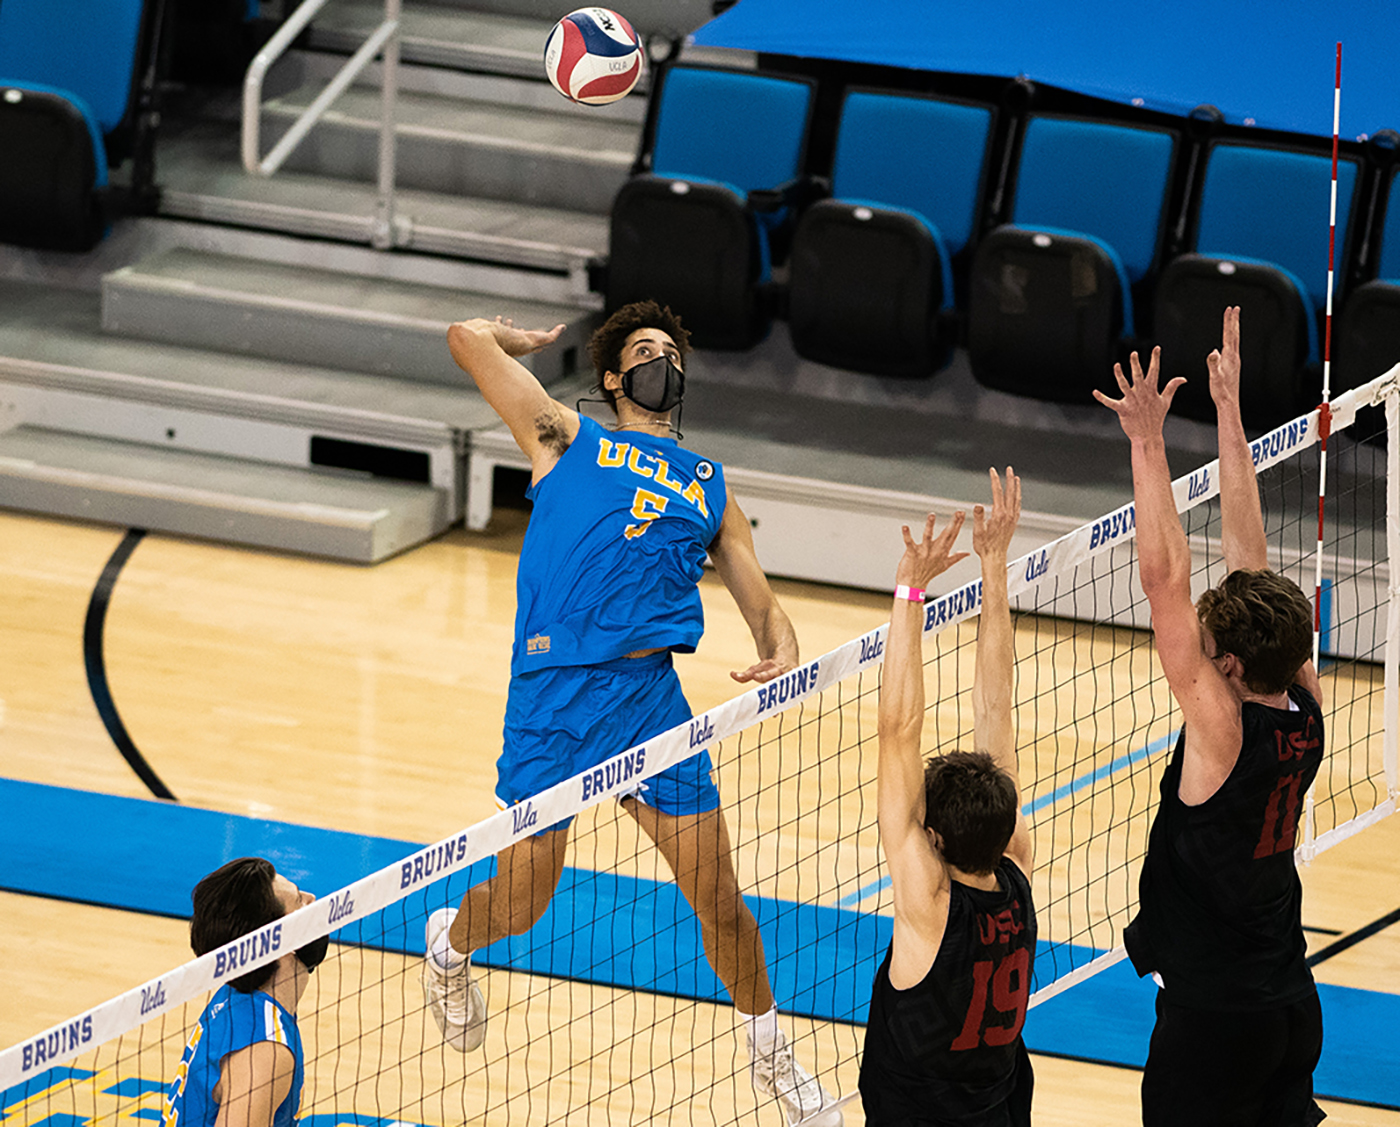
(1219, 924)
(242, 1065)
(943, 1042)
(606, 591)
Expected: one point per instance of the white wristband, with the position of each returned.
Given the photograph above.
(913, 594)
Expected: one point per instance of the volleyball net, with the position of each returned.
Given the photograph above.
(607, 1011)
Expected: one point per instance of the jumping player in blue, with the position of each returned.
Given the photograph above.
(606, 591)
(242, 1065)
(943, 1042)
(1219, 923)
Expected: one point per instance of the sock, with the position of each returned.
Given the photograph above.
(763, 1030)
(444, 955)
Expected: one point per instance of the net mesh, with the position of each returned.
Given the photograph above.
(606, 1010)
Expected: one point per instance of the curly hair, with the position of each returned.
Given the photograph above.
(970, 803)
(231, 902)
(605, 345)
(1265, 620)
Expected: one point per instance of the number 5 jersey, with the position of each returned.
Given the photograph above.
(1220, 903)
(949, 1050)
(615, 547)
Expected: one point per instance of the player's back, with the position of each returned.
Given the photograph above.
(231, 1021)
(949, 1050)
(1220, 916)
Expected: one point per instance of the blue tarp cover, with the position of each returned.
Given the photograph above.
(1270, 65)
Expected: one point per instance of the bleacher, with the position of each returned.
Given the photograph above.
(896, 275)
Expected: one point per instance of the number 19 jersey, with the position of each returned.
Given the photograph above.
(616, 546)
(949, 1050)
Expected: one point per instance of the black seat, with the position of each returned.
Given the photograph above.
(67, 96)
(1260, 238)
(1052, 291)
(694, 232)
(1368, 331)
(871, 268)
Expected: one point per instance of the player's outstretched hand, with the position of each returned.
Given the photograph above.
(1224, 362)
(762, 671)
(991, 536)
(930, 556)
(1143, 407)
(522, 342)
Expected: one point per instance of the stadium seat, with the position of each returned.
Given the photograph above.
(694, 232)
(1260, 239)
(68, 84)
(1367, 342)
(1051, 294)
(871, 267)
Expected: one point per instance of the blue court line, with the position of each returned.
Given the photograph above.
(145, 855)
(854, 898)
(1104, 772)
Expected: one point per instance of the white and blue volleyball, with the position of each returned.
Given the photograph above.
(593, 56)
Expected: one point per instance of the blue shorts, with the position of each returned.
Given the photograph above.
(564, 720)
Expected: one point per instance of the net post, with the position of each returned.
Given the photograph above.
(1391, 760)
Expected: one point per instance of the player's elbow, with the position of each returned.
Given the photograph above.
(899, 727)
(1168, 576)
(466, 340)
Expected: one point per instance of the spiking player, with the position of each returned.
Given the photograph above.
(242, 1065)
(943, 1042)
(1239, 1025)
(606, 590)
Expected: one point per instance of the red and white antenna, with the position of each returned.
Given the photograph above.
(1324, 411)
(1324, 419)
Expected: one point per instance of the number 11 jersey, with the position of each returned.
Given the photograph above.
(1220, 903)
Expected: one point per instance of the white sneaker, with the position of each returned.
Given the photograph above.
(452, 996)
(803, 1100)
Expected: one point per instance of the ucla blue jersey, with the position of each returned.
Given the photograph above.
(614, 551)
(231, 1021)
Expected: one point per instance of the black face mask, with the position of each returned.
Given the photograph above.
(656, 385)
(314, 953)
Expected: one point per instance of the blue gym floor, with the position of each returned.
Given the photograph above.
(145, 855)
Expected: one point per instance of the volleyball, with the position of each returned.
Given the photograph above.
(593, 56)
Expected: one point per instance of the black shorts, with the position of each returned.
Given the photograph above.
(1211, 1068)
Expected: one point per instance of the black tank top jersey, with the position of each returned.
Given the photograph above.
(1220, 903)
(949, 1050)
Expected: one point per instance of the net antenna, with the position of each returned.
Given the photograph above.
(1324, 413)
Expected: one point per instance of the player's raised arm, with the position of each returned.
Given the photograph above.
(916, 871)
(1164, 568)
(736, 562)
(993, 730)
(1242, 538)
(487, 351)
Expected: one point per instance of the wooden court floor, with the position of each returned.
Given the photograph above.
(370, 701)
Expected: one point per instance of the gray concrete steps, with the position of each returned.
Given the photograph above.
(531, 92)
(321, 317)
(202, 180)
(343, 516)
(440, 35)
(455, 147)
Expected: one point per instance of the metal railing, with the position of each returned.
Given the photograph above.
(384, 38)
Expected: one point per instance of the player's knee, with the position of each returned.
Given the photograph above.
(724, 911)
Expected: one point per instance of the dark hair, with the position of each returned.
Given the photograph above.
(605, 345)
(970, 803)
(1265, 621)
(230, 902)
